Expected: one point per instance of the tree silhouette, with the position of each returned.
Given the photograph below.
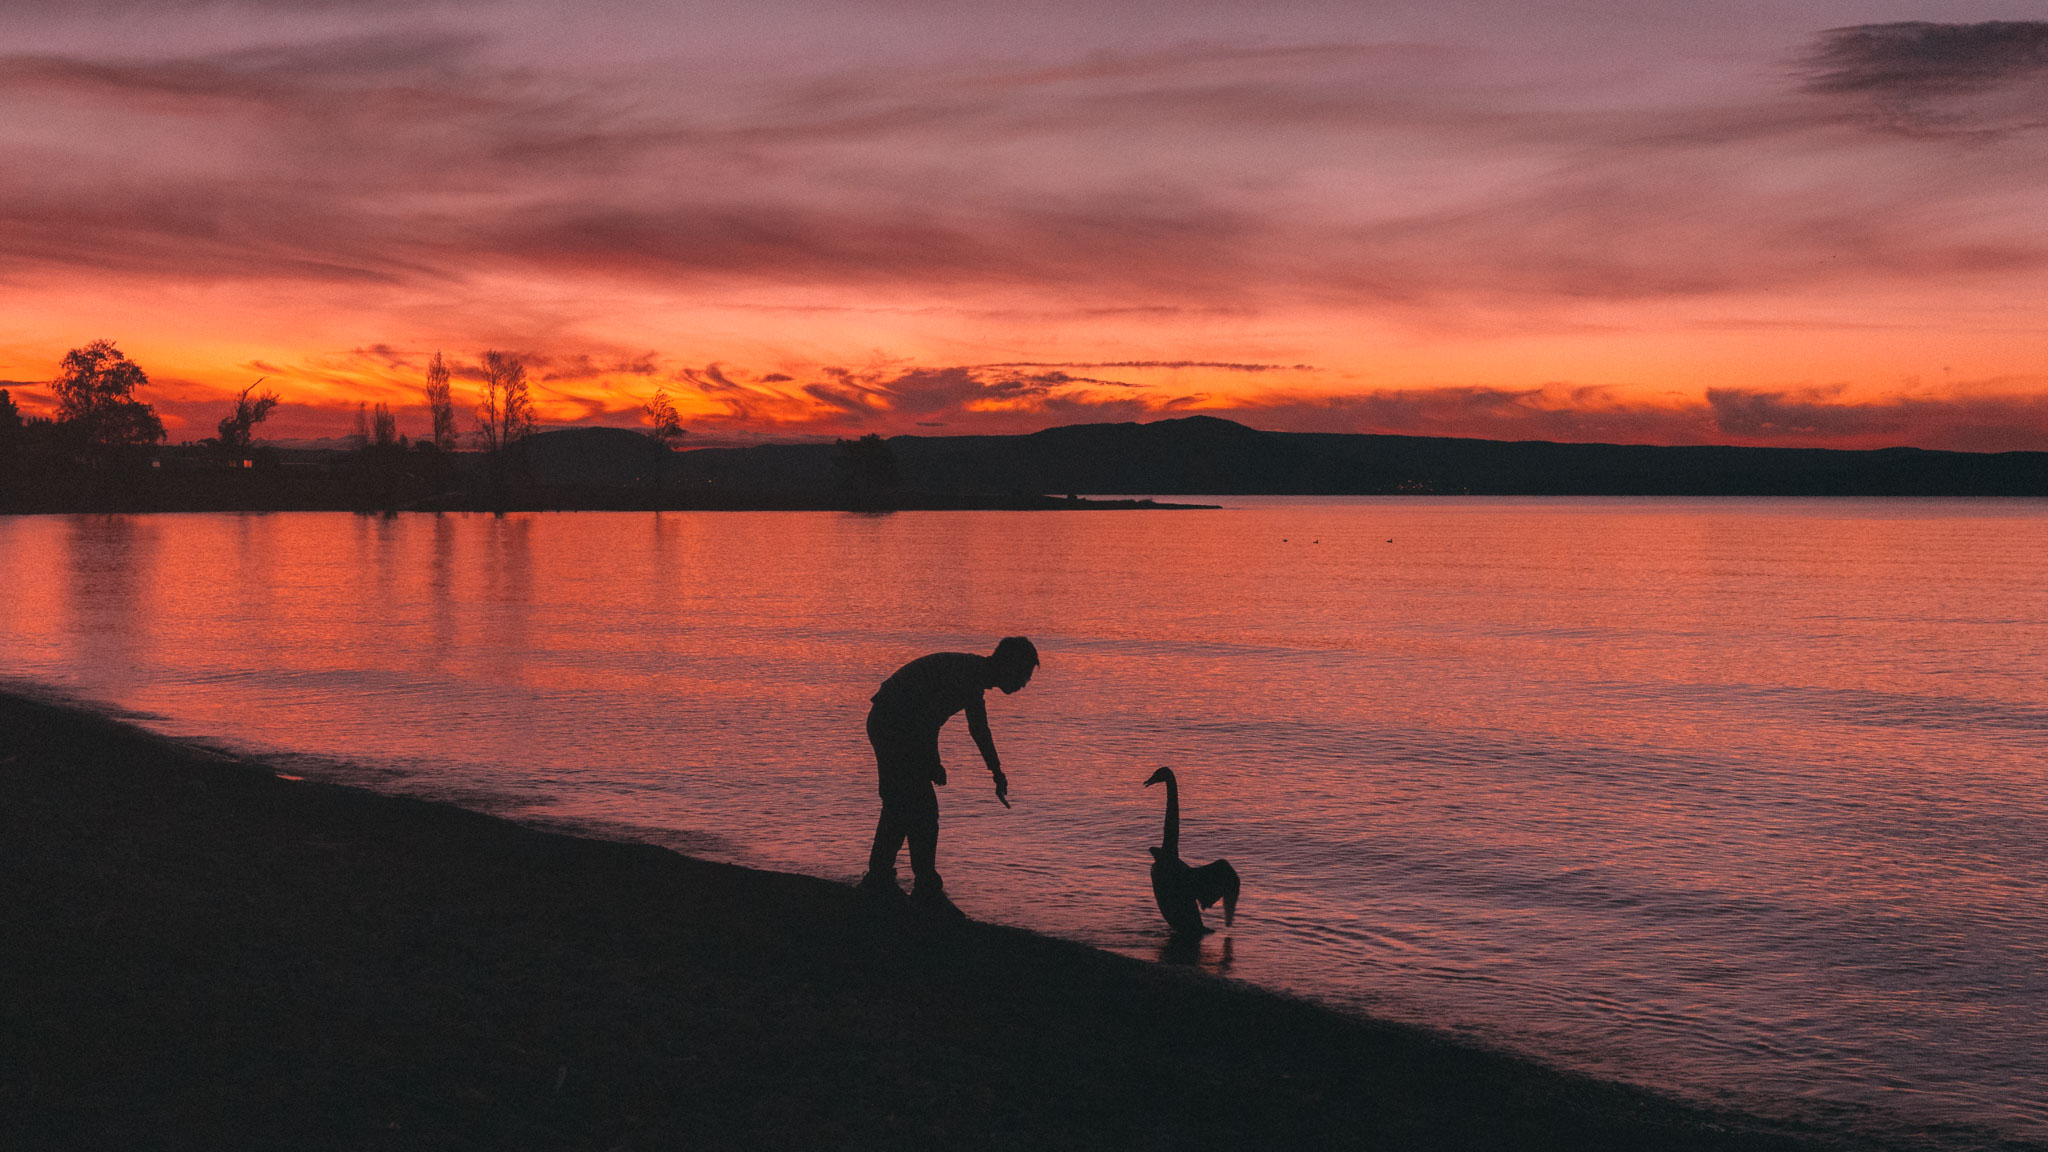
(237, 429)
(383, 428)
(378, 473)
(441, 403)
(866, 465)
(10, 433)
(375, 428)
(665, 424)
(665, 427)
(504, 413)
(96, 405)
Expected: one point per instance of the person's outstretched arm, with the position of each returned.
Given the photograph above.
(977, 727)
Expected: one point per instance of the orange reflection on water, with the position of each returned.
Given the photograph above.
(1725, 795)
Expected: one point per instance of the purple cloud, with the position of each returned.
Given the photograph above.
(1925, 59)
(425, 160)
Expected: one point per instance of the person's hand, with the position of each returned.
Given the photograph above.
(1002, 786)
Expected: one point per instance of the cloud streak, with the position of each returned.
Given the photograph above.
(1218, 365)
(1799, 418)
(1924, 59)
(387, 159)
(1997, 416)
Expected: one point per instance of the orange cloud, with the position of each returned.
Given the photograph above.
(1349, 236)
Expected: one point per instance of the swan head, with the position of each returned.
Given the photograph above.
(1156, 777)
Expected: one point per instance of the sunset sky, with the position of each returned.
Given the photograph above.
(1771, 222)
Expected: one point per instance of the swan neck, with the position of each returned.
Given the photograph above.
(1171, 838)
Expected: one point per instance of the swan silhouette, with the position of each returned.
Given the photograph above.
(1182, 892)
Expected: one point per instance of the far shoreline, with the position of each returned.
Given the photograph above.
(613, 502)
(1046, 504)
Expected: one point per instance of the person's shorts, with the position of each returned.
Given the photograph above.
(906, 751)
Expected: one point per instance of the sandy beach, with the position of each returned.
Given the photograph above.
(200, 953)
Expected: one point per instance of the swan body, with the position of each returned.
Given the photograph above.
(1183, 891)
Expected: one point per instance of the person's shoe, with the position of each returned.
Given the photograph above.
(930, 897)
(879, 884)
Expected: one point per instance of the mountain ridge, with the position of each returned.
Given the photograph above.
(1209, 455)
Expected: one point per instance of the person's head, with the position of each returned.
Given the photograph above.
(1014, 660)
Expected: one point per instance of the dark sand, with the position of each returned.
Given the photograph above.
(195, 953)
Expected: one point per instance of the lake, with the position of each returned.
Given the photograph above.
(1746, 800)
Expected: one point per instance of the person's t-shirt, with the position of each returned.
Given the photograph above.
(928, 690)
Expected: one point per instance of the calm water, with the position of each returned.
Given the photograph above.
(1746, 800)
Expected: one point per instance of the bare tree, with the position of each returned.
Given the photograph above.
(664, 427)
(379, 471)
(441, 402)
(383, 428)
(664, 423)
(238, 428)
(504, 413)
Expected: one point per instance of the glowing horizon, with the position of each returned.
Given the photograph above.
(1636, 223)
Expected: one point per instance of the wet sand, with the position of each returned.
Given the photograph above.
(196, 953)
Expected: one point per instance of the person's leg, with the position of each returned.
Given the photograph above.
(920, 815)
(889, 833)
(889, 827)
(907, 760)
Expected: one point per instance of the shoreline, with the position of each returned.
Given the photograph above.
(209, 954)
(774, 502)
(428, 507)
(261, 492)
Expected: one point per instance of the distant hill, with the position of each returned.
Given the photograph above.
(1204, 455)
(596, 457)
(617, 468)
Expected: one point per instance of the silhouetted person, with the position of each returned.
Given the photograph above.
(904, 728)
(1182, 892)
